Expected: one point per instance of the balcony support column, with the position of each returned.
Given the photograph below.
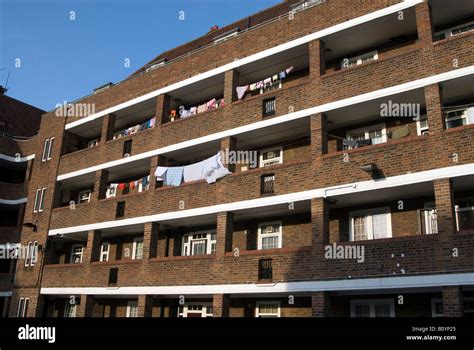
(228, 144)
(317, 60)
(434, 109)
(445, 212)
(163, 103)
(92, 251)
(231, 81)
(319, 142)
(453, 303)
(108, 128)
(85, 307)
(319, 221)
(150, 240)
(424, 23)
(145, 306)
(220, 305)
(225, 228)
(100, 185)
(320, 304)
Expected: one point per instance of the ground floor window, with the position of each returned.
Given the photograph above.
(199, 243)
(132, 309)
(70, 309)
(268, 309)
(195, 310)
(370, 224)
(373, 308)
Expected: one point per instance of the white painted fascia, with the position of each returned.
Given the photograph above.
(255, 57)
(399, 282)
(13, 201)
(16, 160)
(394, 181)
(413, 85)
(5, 294)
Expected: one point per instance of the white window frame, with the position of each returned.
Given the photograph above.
(92, 143)
(358, 60)
(104, 255)
(367, 130)
(464, 116)
(69, 309)
(132, 309)
(22, 310)
(188, 239)
(111, 192)
(271, 161)
(183, 310)
(458, 208)
(45, 150)
(372, 303)
(88, 198)
(136, 241)
(39, 200)
(278, 234)
(31, 253)
(449, 32)
(259, 314)
(369, 213)
(81, 254)
(50, 149)
(422, 130)
(426, 217)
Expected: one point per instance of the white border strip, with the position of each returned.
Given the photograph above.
(394, 181)
(455, 279)
(5, 294)
(266, 53)
(13, 201)
(458, 73)
(16, 160)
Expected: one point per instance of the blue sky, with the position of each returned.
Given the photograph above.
(52, 58)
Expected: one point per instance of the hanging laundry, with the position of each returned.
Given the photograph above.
(267, 81)
(174, 176)
(132, 185)
(275, 77)
(349, 144)
(121, 186)
(183, 113)
(209, 169)
(211, 104)
(241, 90)
(260, 84)
(282, 75)
(253, 87)
(289, 69)
(160, 173)
(193, 110)
(201, 108)
(470, 116)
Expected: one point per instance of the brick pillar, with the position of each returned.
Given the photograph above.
(163, 103)
(231, 81)
(453, 304)
(317, 61)
(154, 162)
(92, 251)
(145, 306)
(320, 304)
(445, 213)
(6, 304)
(220, 305)
(319, 221)
(434, 110)
(85, 307)
(108, 128)
(100, 185)
(39, 310)
(424, 23)
(319, 142)
(225, 229)
(228, 143)
(150, 240)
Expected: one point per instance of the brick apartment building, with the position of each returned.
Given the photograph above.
(302, 84)
(19, 124)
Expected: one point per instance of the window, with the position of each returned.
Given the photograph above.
(270, 157)
(113, 276)
(376, 134)
(468, 306)
(269, 107)
(267, 183)
(104, 251)
(47, 149)
(31, 253)
(465, 214)
(132, 309)
(459, 117)
(23, 307)
(76, 253)
(39, 200)
(358, 60)
(196, 310)
(127, 148)
(84, 196)
(120, 211)
(267, 309)
(422, 126)
(92, 143)
(372, 308)
(199, 243)
(69, 309)
(370, 224)
(462, 29)
(137, 253)
(270, 235)
(437, 307)
(430, 222)
(265, 269)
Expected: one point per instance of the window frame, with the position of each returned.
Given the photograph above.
(183, 310)
(81, 254)
(106, 243)
(137, 240)
(187, 246)
(68, 307)
(85, 201)
(31, 256)
(367, 130)
(372, 303)
(422, 130)
(265, 315)
(278, 234)
(435, 301)
(22, 310)
(262, 162)
(465, 116)
(359, 59)
(132, 309)
(45, 150)
(369, 213)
